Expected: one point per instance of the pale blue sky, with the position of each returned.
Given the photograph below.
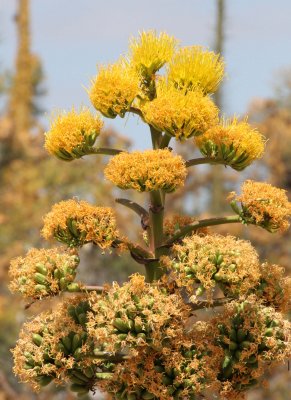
(72, 36)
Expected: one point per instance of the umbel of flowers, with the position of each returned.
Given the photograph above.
(145, 339)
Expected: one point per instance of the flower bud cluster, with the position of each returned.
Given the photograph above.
(56, 347)
(43, 273)
(203, 262)
(136, 315)
(253, 337)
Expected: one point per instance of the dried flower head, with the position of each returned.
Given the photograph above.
(72, 134)
(194, 68)
(43, 273)
(136, 315)
(114, 89)
(264, 205)
(183, 372)
(54, 346)
(149, 52)
(234, 143)
(78, 222)
(274, 289)
(213, 260)
(180, 115)
(253, 338)
(147, 171)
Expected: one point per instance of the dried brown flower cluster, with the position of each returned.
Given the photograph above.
(274, 287)
(185, 371)
(149, 338)
(77, 222)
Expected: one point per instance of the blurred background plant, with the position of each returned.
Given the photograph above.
(30, 182)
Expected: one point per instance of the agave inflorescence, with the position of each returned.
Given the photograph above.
(141, 340)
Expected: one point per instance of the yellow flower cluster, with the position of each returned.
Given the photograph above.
(194, 68)
(234, 143)
(264, 205)
(136, 315)
(78, 222)
(114, 89)
(72, 134)
(254, 338)
(180, 115)
(149, 52)
(43, 273)
(147, 171)
(207, 261)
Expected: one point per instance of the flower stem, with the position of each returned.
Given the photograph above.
(138, 209)
(201, 305)
(201, 224)
(202, 160)
(136, 111)
(156, 137)
(165, 140)
(104, 150)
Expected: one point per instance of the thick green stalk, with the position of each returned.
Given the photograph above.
(156, 137)
(165, 140)
(156, 213)
(156, 220)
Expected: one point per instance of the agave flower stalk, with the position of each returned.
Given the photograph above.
(144, 339)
